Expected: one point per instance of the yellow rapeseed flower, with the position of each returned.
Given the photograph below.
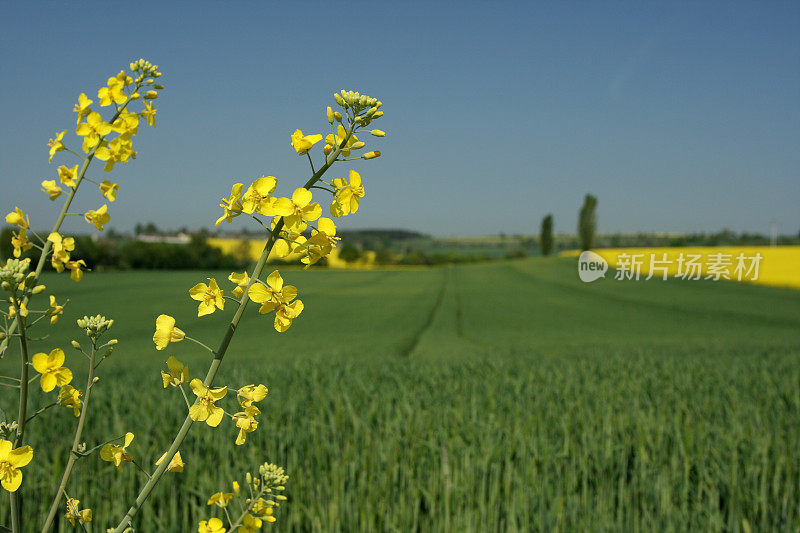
(251, 393)
(109, 190)
(114, 453)
(232, 207)
(257, 197)
(120, 150)
(56, 145)
(82, 107)
(74, 267)
(241, 281)
(166, 332)
(213, 525)
(74, 513)
(250, 524)
(98, 217)
(50, 187)
(209, 296)
(20, 242)
(127, 124)
(335, 140)
(68, 175)
(69, 396)
(176, 374)
(176, 465)
(112, 93)
(347, 194)
(91, 130)
(298, 210)
(18, 218)
(220, 499)
(205, 410)
(276, 297)
(303, 143)
(10, 463)
(323, 240)
(55, 310)
(149, 113)
(51, 369)
(246, 422)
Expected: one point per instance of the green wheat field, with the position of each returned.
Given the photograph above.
(505, 396)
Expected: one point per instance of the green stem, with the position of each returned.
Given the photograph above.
(73, 456)
(16, 522)
(144, 493)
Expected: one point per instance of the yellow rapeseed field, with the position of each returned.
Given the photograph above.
(254, 247)
(779, 266)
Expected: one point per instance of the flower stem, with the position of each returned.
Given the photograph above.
(144, 493)
(16, 523)
(73, 456)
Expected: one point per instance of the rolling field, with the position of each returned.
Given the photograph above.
(505, 396)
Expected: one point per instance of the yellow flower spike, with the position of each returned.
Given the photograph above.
(232, 206)
(213, 525)
(297, 211)
(112, 93)
(75, 274)
(177, 373)
(209, 296)
(347, 195)
(371, 155)
(257, 197)
(166, 332)
(18, 218)
(246, 422)
(11, 460)
(250, 524)
(56, 145)
(20, 242)
(73, 513)
(50, 187)
(51, 369)
(82, 107)
(69, 396)
(55, 310)
(149, 113)
(68, 176)
(114, 453)
(303, 143)
(205, 410)
(241, 281)
(176, 465)
(109, 190)
(251, 393)
(220, 499)
(91, 130)
(335, 140)
(98, 217)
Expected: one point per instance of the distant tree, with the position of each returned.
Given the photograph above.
(546, 235)
(587, 221)
(349, 253)
(6, 248)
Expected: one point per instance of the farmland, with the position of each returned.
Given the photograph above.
(490, 397)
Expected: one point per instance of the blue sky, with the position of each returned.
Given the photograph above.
(680, 116)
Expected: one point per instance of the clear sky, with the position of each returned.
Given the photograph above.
(679, 116)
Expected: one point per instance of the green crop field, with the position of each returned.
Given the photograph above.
(505, 396)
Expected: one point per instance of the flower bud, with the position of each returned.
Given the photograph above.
(76, 345)
(371, 111)
(112, 342)
(150, 95)
(38, 289)
(371, 155)
(149, 80)
(6, 286)
(378, 114)
(157, 86)
(329, 113)
(134, 66)
(378, 133)
(135, 96)
(339, 99)
(96, 379)
(328, 149)
(358, 145)
(337, 116)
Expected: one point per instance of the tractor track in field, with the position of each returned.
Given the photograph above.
(414, 342)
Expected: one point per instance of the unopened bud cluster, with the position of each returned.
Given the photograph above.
(95, 325)
(13, 273)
